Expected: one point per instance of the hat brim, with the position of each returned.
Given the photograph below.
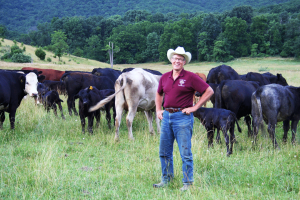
(186, 55)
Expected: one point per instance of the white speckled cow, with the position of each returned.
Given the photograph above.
(135, 91)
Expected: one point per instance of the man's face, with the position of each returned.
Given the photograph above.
(178, 62)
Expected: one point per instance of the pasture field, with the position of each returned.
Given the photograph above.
(48, 158)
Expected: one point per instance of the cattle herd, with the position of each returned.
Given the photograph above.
(254, 96)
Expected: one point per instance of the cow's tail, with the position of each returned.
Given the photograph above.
(109, 98)
(256, 111)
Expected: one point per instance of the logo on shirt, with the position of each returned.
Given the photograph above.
(181, 82)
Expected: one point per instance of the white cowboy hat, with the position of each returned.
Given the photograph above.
(179, 51)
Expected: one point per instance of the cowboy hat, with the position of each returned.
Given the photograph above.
(179, 51)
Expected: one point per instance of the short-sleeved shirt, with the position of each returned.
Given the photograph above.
(179, 93)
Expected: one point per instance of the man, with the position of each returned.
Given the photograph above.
(178, 87)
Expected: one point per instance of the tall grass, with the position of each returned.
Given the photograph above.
(46, 157)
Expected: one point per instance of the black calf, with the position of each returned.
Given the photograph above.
(222, 119)
(89, 97)
(50, 99)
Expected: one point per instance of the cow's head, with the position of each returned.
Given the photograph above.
(31, 83)
(84, 95)
(42, 90)
(281, 80)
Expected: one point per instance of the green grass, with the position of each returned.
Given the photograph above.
(48, 158)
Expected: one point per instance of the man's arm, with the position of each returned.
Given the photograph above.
(205, 97)
(158, 104)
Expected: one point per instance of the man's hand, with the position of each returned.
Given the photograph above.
(160, 114)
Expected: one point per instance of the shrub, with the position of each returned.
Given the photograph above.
(49, 59)
(78, 52)
(21, 58)
(6, 56)
(40, 53)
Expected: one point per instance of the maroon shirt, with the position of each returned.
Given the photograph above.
(179, 93)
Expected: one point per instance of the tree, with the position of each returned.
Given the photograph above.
(3, 31)
(58, 40)
(94, 48)
(177, 34)
(203, 47)
(221, 52)
(236, 34)
(40, 53)
(243, 12)
(111, 50)
(259, 32)
(151, 51)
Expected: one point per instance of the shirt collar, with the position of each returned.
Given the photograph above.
(182, 73)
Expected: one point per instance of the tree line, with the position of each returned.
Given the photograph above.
(141, 37)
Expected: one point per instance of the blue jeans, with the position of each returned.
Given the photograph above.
(177, 126)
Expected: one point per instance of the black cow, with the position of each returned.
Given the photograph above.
(148, 70)
(13, 87)
(212, 98)
(235, 95)
(77, 81)
(89, 97)
(275, 103)
(253, 76)
(58, 86)
(110, 73)
(220, 73)
(278, 79)
(223, 119)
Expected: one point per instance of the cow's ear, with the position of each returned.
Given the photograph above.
(41, 78)
(22, 79)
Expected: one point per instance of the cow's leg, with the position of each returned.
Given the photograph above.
(97, 116)
(90, 123)
(294, 130)
(218, 138)
(286, 128)
(61, 110)
(74, 108)
(2, 118)
(108, 115)
(232, 136)
(114, 112)
(69, 102)
(210, 136)
(82, 119)
(129, 119)
(149, 118)
(248, 122)
(54, 107)
(12, 115)
(119, 111)
(271, 130)
(224, 130)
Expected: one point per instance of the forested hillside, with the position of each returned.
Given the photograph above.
(139, 36)
(24, 15)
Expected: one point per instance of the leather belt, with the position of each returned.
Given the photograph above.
(172, 110)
